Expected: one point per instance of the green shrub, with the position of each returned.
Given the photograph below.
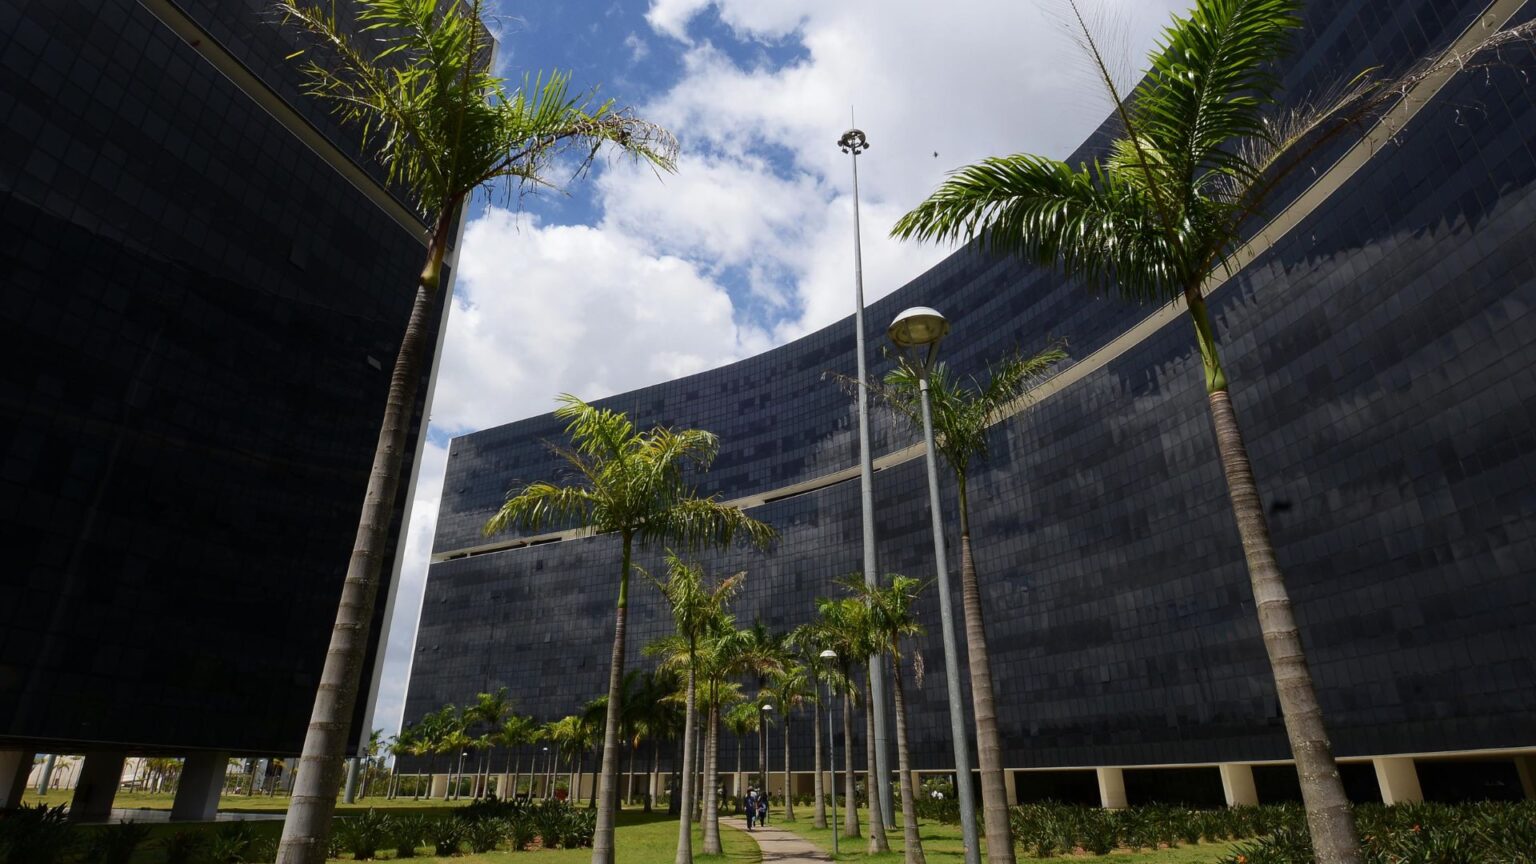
(549, 821)
(233, 844)
(484, 834)
(408, 832)
(579, 828)
(115, 845)
(521, 830)
(37, 834)
(183, 847)
(445, 835)
(364, 834)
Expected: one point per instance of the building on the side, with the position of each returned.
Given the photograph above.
(1383, 351)
(205, 285)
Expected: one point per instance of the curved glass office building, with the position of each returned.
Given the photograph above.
(1382, 346)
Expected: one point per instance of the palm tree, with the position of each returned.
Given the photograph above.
(838, 626)
(808, 640)
(743, 719)
(698, 610)
(962, 413)
(892, 619)
(419, 86)
(515, 732)
(487, 713)
(790, 686)
(1204, 146)
(632, 484)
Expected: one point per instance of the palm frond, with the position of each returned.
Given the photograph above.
(540, 505)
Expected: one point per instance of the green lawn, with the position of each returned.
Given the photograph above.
(642, 838)
(941, 845)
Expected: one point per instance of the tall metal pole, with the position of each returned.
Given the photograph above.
(832, 763)
(951, 664)
(853, 142)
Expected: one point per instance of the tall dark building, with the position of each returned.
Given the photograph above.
(1382, 348)
(205, 284)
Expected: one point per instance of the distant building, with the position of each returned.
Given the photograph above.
(1382, 348)
(205, 284)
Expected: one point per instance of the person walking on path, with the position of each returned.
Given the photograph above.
(762, 809)
(749, 804)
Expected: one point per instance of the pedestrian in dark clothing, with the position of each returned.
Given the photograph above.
(762, 809)
(749, 804)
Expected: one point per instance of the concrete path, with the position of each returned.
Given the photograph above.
(778, 845)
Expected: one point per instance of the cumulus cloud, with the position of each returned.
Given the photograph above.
(750, 244)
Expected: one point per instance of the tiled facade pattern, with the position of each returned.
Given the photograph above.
(199, 319)
(1383, 357)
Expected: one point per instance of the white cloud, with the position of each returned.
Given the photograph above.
(761, 206)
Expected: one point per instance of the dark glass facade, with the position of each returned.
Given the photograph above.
(199, 318)
(1383, 361)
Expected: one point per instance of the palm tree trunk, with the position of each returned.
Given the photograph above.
(1335, 839)
(629, 791)
(989, 749)
(736, 786)
(711, 794)
(685, 813)
(851, 811)
(872, 778)
(650, 787)
(307, 826)
(817, 784)
(789, 798)
(602, 837)
(912, 842)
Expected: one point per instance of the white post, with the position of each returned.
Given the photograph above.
(1237, 785)
(1398, 779)
(1111, 788)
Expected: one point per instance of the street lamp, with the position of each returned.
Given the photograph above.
(853, 142)
(762, 733)
(831, 657)
(549, 772)
(913, 330)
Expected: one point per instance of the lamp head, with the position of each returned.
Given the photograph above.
(828, 654)
(917, 326)
(853, 141)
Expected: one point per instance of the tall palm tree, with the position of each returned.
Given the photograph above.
(962, 414)
(515, 733)
(892, 619)
(808, 641)
(839, 624)
(698, 610)
(636, 485)
(417, 83)
(743, 719)
(488, 712)
(1204, 146)
(791, 687)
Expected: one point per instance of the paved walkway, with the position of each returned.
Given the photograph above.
(784, 847)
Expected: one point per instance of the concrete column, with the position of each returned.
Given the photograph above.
(1011, 787)
(45, 780)
(15, 768)
(100, 776)
(350, 795)
(202, 780)
(1525, 766)
(1398, 779)
(1111, 788)
(1237, 785)
(439, 785)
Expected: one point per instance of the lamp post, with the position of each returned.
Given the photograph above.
(762, 733)
(853, 142)
(831, 657)
(548, 771)
(913, 330)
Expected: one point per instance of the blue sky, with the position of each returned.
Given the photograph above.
(624, 279)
